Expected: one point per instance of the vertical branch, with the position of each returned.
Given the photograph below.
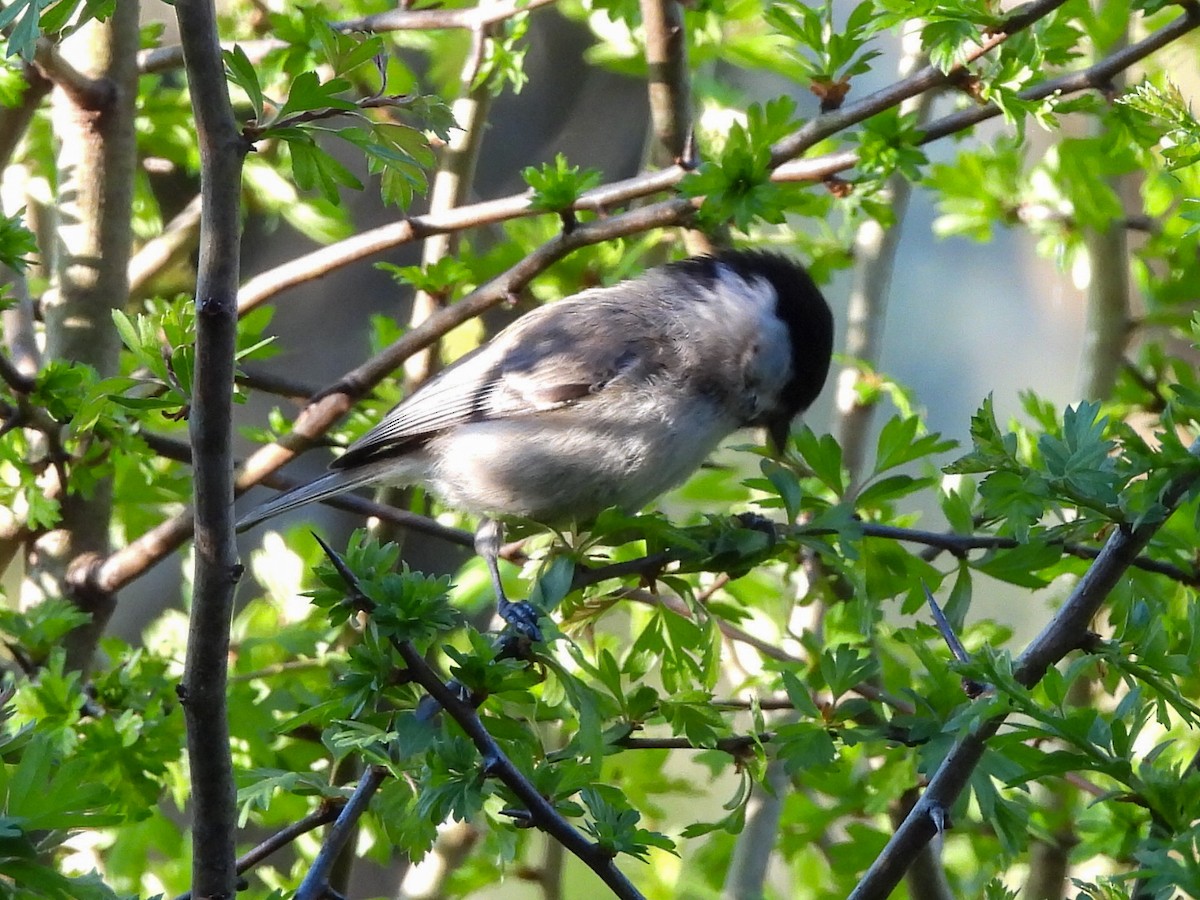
(452, 183)
(670, 92)
(211, 430)
(97, 157)
(1106, 330)
(1108, 322)
(875, 258)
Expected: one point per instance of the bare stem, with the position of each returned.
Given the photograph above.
(214, 867)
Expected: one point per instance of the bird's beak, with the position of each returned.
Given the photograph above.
(778, 431)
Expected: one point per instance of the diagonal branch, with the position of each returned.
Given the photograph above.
(1062, 634)
(786, 167)
(497, 763)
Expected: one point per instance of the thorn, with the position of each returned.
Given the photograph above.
(971, 688)
(937, 814)
(356, 597)
(957, 650)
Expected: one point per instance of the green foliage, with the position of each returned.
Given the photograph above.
(24, 21)
(398, 152)
(1168, 113)
(736, 186)
(770, 632)
(615, 827)
(836, 56)
(556, 186)
(17, 243)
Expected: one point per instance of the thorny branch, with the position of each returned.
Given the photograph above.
(449, 697)
(1062, 634)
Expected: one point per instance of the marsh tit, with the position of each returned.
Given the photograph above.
(606, 398)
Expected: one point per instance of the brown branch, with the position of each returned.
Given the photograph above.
(326, 812)
(14, 377)
(786, 167)
(177, 237)
(321, 262)
(84, 91)
(734, 745)
(497, 764)
(315, 885)
(667, 65)
(924, 79)
(874, 254)
(96, 156)
(14, 120)
(277, 383)
(1093, 77)
(452, 184)
(165, 58)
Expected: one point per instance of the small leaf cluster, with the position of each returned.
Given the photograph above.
(736, 185)
(1171, 116)
(399, 152)
(76, 757)
(836, 56)
(558, 185)
(24, 21)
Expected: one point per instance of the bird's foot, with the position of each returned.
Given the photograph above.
(521, 616)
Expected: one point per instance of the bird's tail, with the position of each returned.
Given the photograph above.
(336, 482)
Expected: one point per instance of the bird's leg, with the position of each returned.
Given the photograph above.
(522, 615)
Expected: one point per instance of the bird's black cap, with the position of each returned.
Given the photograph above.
(801, 307)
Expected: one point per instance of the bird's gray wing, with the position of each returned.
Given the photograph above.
(539, 363)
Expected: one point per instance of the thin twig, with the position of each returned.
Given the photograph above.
(316, 881)
(924, 79)
(14, 377)
(786, 168)
(453, 183)
(734, 745)
(164, 59)
(177, 237)
(875, 248)
(85, 91)
(669, 87)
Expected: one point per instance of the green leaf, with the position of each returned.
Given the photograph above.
(823, 456)
(241, 72)
(19, 19)
(556, 186)
(1021, 565)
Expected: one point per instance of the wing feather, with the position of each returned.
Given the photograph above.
(537, 364)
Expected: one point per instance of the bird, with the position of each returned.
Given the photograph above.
(606, 398)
